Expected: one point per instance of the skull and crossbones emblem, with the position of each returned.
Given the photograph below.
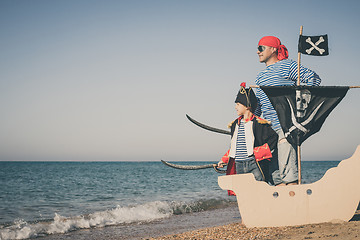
(303, 98)
(315, 45)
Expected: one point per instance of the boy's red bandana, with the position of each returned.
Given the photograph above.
(271, 41)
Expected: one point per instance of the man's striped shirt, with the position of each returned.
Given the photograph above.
(281, 73)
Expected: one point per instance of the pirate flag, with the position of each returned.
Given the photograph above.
(314, 45)
(302, 110)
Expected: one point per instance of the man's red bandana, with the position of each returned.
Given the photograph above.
(271, 41)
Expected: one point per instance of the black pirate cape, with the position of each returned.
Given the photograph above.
(302, 110)
(263, 133)
(265, 143)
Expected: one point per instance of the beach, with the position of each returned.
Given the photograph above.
(174, 225)
(215, 224)
(332, 230)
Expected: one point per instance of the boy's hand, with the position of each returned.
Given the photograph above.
(220, 164)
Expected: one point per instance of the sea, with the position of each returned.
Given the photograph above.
(115, 200)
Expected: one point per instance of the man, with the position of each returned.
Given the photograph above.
(280, 71)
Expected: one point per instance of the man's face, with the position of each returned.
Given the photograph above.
(265, 53)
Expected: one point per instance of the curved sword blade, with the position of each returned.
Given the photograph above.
(217, 130)
(194, 167)
(187, 167)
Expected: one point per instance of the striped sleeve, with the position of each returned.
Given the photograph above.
(282, 73)
(307, 76)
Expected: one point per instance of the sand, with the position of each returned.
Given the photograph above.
(335, 230)
(208, 225)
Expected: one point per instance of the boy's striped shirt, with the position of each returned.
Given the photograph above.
(241, 150)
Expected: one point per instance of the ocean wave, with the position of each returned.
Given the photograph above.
(120, 215)
(198, 206)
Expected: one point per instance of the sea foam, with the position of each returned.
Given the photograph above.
(60, 224)
(120, 215)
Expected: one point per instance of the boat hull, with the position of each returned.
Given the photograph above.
(334, 197)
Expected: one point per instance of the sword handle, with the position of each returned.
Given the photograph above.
(217, 169)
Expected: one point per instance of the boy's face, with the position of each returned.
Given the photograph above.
(240, 109)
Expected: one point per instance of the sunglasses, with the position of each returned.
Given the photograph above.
(261, 48)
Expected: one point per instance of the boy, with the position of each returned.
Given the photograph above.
(253, 141)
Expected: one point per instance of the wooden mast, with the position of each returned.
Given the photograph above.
(299, 58)
(298, 84)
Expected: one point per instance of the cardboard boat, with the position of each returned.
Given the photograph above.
(335, 197)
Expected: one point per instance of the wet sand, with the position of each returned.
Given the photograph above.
(214, 224)
(336, 230)
(176, 224)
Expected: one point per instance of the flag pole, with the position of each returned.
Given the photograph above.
(257, 86)
(299, 58)
(298, 83)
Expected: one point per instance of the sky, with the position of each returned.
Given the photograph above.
(92, 80)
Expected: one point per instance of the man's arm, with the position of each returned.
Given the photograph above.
(307, 76)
